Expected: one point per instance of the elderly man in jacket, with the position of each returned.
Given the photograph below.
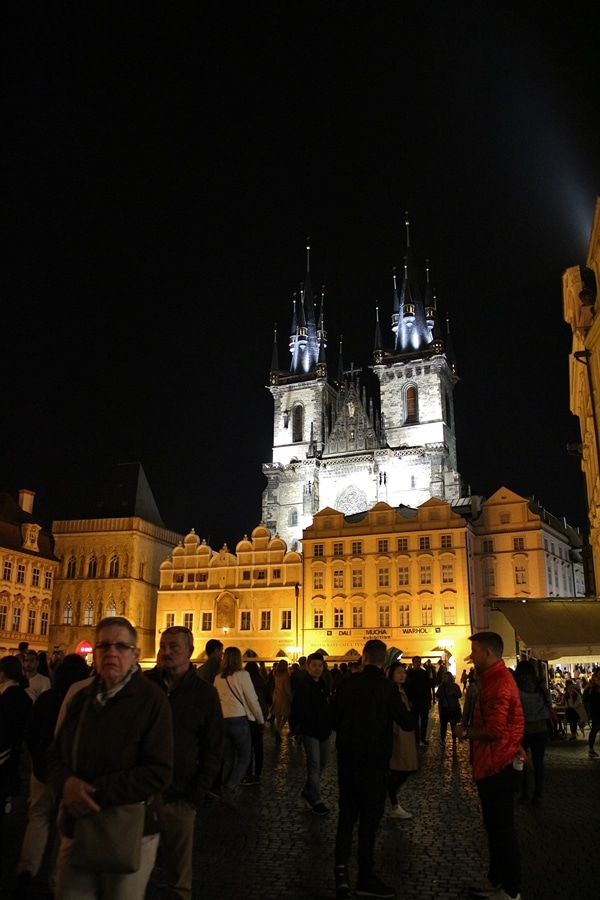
(198, 748)
(496, 735)
(114, 747)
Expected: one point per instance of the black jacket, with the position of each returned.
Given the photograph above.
(365, 706)
(197, 735)
(311, 710)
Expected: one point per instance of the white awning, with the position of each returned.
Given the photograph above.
(551, 629)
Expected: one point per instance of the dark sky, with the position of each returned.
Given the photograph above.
(163, 173)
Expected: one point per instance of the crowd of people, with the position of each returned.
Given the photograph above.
(144, 750)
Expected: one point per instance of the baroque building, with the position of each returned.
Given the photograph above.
(335, 447)
(27, 571)
(109, 563)
(248, 599)
(580, 294)
(421, 579)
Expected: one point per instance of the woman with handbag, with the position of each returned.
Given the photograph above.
(113, 757)
(240, 706)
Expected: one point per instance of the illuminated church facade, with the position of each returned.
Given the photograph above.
(335, 447)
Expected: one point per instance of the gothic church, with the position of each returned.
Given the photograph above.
(333, 446)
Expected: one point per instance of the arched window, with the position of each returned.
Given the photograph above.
(411, 406)
(68, 613)
(71, 567)
(88, 613)
(111, 608)
(92, 567)
(113, 571)
(298, 423)
(293, 517)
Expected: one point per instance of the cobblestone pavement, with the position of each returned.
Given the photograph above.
(274, 848)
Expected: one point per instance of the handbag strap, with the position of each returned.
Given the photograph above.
(240, 701)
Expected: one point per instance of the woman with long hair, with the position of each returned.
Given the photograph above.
(282, 697)
(404, 758)
(535, 700)
(240, 706)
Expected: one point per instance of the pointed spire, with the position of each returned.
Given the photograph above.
(407, 223)
(449, 347)
(275, 357)
(340, 375)
(308, 254)
(378, 347)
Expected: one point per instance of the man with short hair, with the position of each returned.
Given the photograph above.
(209, 670)
(495, 735)
(114, 747)
(311, 713)
(37, 683)
(198, 748)
(418, 690)
(365, 708)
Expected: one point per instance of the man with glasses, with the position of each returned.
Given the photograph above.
(114, 747)
(198, 748)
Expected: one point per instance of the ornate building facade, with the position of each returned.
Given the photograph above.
(110, 564)
(420, 579)
(580, 295)
(248, 599)
(335, 447)
(27, 571)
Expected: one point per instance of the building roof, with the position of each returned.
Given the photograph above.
(12, 519)
(126, 493)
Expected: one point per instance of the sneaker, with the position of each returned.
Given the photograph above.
(592, 752)
(320, 809)
(342, 883)
(398, 813)
(373, 887)
(247, 779)
(500, 894)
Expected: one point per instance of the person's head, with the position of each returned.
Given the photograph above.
(302, 662)
(214, 649)
(31, 663)
(175, 649)
(416, 662)
(569, 686)
(487, 648)
(374, 653)
(23, 647)
(253, 669)
(115, 651)
(315, 665)
(448, 677)
(282, 667)
(231, 662)
(526, 676)
(397, 672)
(71, 669)
(11, 669)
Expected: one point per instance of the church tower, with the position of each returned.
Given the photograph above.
(335, 447)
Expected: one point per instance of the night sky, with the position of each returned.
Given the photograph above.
(163, 173)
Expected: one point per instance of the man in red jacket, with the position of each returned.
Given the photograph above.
(496, 735)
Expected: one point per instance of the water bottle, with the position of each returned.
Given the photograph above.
(518, 761)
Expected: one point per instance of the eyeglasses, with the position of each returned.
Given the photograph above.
(119, 646)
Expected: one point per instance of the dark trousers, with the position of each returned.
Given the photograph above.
(362, 798)
(258, 755)
(535, 744)
(421, 714)
(496, 796)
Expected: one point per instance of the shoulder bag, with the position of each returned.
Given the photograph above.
(109, 840)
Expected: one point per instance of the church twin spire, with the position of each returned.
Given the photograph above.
(415, 323)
